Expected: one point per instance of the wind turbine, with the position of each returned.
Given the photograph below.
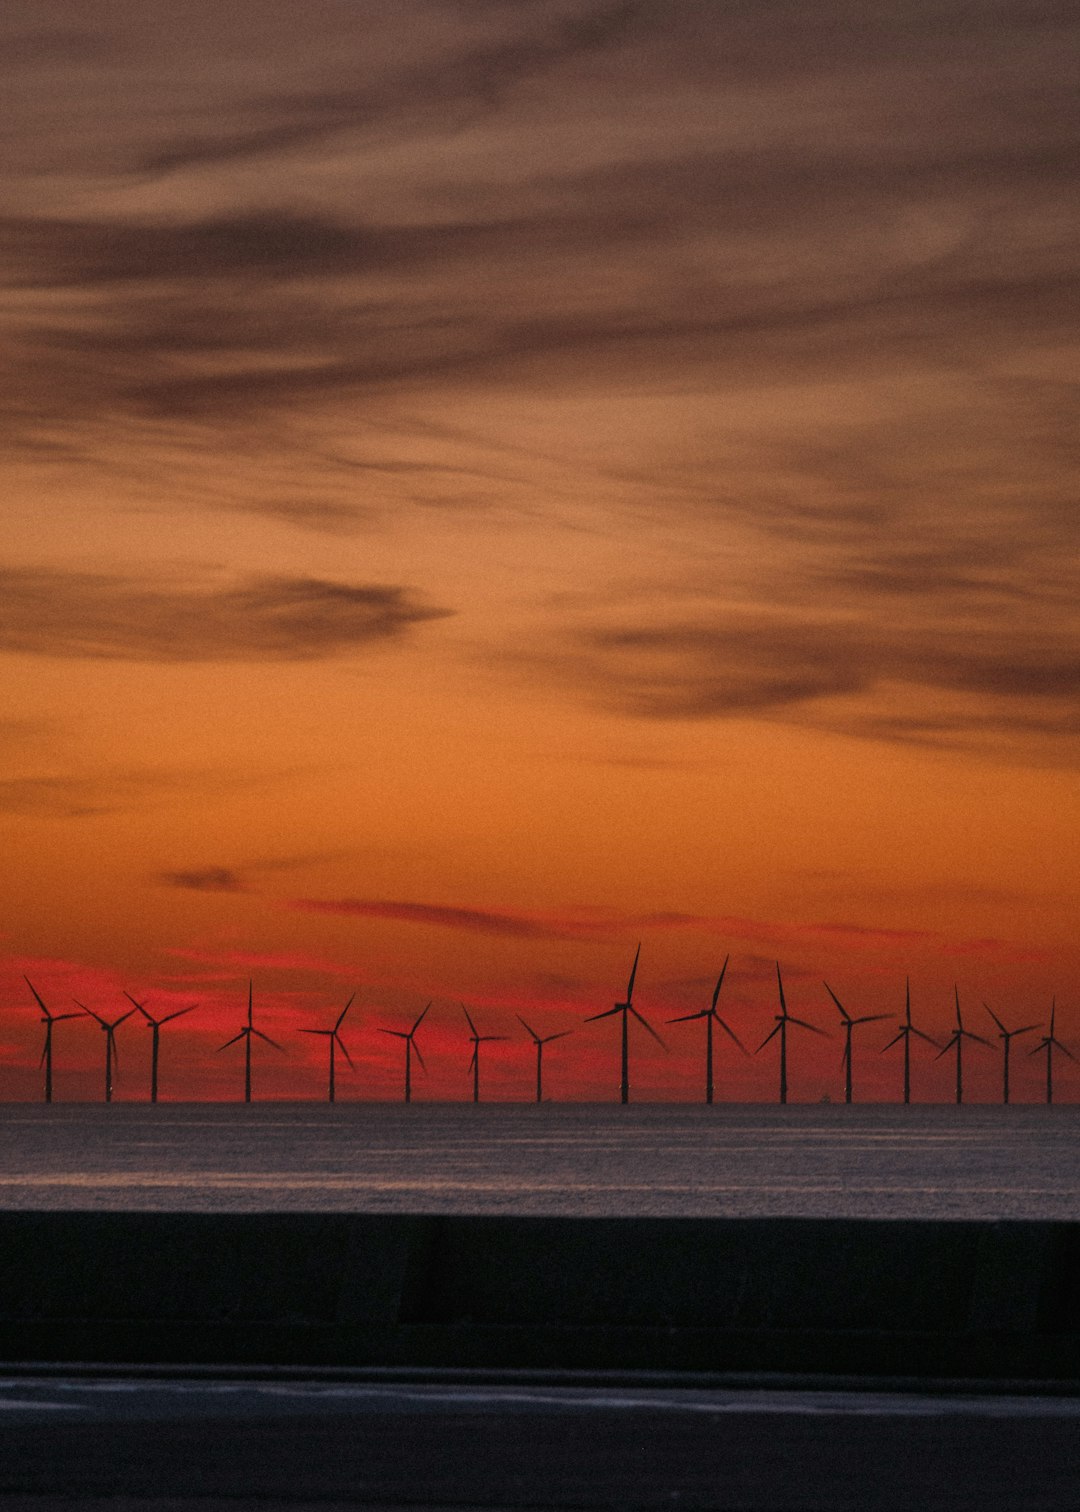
(849, 1025)
(1006, 1036)
(959, 1035)
(477, 1041)
(906, 1030)
(111, 1053)
(626, 1009)
(155, 1041)
(334, 1036)
(410, 1047)
(540, 1041)
(48, 1019)
(1048, 1043)
(711, 1016)
(783, 1019)
(247, 1033)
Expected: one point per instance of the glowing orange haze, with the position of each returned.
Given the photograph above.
(509, 483)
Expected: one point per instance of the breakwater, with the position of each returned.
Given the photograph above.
(992, 1300)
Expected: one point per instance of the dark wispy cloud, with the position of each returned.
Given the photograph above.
(472, 920)
(447, 89)
(863, 674)
(50, 612)
(213, 879)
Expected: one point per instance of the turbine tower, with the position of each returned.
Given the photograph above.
(906, 1030)
(48, 1019)
(626, 1009)
(109, 1030)
(247, 1034)
(849, 1025)
(711, 1016)
(411, 1048)
(540, 1041)
(155, 1042)
(1006, 1036)
(336, 1042)
(1049, 1043)
(783, 1019)
(477, 1041)
(957, 1038)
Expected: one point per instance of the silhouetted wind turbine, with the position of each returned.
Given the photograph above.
(155, 1042)
(1049, 1043)
(849, 1025)
(540, 1041)
(783, 1019)
(959, 1035)
(907, 1029)
(711, 1016)
(334, 1036)
(247, 1033)
(111, 1053)
(626, 1009)
(410, 1048)
(477, 1041)
(48, 1019)
(1006, 1036)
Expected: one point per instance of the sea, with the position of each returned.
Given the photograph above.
(740, 1160)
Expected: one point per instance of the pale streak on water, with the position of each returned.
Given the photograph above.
(870, 1161)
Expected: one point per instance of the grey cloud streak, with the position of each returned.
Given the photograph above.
(849, 226)
(50, 612)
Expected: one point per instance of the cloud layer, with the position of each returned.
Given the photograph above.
(94, 617)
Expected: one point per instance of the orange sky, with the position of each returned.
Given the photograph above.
(485, 484)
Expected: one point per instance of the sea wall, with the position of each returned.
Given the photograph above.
(852, 1297)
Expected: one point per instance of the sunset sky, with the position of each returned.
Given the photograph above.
(488, 483)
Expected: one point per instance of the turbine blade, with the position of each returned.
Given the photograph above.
(729, 1031)
(562, 1034)
(420, 1020)
(90, 1011)
(260, 1035)
(1064, 1049)
(475, 1057)
(123, 1016)
(618, 1008)
(420, 1058)
(233, 1041)
(41, 1062)
(918, 1033)
(995, 1018)
(525, 1026)
(772, 1032)
(58, 1018)
(397, 1033)
(780, 986)
(139, 1006)
(968, 1035)
(178, 1014)
(344, 1011)
(845, 1015)
(344, 1050)
(1026, 1029)
(895, 1041)
(719, 984)
(871, 1018)
(311, 1031)
(468, 1020)
(37, 995)
(685, 1018)
(946, 1047)
(633, 974)
(812, 1027)
(646, 1025)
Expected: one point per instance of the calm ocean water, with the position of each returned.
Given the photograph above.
(656, 1159)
